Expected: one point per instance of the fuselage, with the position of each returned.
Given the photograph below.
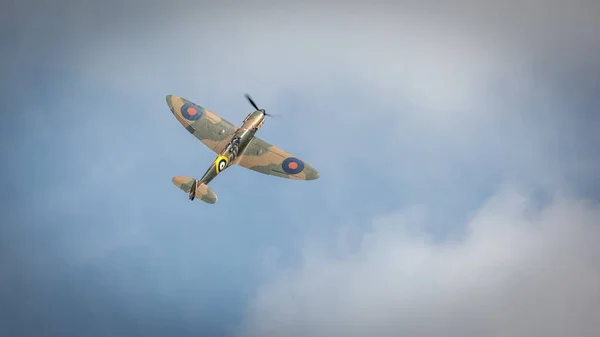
(238, 143)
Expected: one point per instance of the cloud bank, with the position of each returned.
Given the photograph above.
(479, 89)
(521, 270)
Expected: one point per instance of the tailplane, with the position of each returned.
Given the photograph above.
(195, 189)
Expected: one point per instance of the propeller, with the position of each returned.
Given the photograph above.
(256, 107)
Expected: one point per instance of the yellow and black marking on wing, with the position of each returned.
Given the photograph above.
(221, 163)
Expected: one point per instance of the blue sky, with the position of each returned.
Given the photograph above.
(451, 139)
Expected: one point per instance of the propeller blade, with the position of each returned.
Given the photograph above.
(256, 107)
(251, 101)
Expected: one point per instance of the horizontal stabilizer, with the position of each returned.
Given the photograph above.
(203, 192)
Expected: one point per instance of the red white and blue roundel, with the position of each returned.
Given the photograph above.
(292, 165)
(191, 111)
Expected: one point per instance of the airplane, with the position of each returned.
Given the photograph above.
(233, 146)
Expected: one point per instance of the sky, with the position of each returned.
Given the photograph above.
(457, 144)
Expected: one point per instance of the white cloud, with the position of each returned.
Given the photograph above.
(519, 271)
(390, 52)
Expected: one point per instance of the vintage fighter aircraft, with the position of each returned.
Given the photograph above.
(233, 145)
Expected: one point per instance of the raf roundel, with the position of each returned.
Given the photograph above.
(191, 112)
(292, 165)
(221, 163)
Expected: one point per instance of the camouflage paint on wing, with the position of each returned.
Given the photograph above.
(212, 130)
(265, 158)
(203, 192)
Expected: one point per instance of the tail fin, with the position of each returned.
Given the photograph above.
(203, 192)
